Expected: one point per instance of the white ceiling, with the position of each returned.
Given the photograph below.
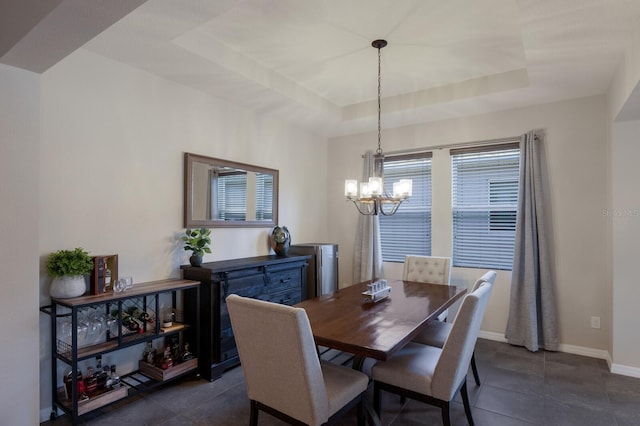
(311, 62)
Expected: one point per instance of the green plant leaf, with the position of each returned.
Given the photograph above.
(69, 262)
(197, 240)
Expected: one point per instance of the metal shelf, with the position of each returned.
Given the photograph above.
(146, 296)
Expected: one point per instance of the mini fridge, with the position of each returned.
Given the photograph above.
(322, 271)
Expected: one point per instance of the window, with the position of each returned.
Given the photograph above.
(409, 230)
(229, 196)
(484, 203)
(264, 196)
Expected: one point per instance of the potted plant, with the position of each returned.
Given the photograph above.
(197, 241)
(68, 268)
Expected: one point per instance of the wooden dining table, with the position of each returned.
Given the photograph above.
(346, 321)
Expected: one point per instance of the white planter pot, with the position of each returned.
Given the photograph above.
(67, 286)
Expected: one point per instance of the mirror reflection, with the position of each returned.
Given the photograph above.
(226, 193)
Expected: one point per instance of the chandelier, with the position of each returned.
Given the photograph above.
(373, 199)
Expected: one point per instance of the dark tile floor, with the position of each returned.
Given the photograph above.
(518, 388)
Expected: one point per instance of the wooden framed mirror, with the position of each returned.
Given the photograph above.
(221, 193)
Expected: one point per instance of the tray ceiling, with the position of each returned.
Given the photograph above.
(311, 62)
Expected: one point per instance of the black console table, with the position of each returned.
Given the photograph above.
(280, 279)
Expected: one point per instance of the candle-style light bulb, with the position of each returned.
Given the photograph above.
(375, 184)
(365, 190)
(351, 188)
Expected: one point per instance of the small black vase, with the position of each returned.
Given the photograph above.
(195, 260)
(280, 239)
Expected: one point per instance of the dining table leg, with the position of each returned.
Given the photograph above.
(372, 415)
(358, 362)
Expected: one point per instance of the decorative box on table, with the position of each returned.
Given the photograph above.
(100, 281)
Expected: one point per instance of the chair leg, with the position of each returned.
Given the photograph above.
(446, 413)
(465, 401)
(361, 412)
(474, 368)
(376, 398)
(253, 417)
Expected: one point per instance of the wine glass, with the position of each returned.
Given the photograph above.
(64, 330)
(83, 329)
(119, 285)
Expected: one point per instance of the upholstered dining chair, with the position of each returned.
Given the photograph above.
(428, 269)
(436, 332)
(435, 375)
(283, 374)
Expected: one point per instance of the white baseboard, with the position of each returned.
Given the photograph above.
(576, 350)
(625, 370)
(490, 335)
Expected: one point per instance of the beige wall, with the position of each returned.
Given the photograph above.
(19, 136)
(111, 168)
(114, 159)
(625, 215)
(622, 105)
(576, 147)
(624, 208)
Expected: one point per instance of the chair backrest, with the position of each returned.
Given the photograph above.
(279, 358)
(427, 269)
(456, 353)
(489, 277)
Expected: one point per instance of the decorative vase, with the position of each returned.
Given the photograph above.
(67, 286)
(280, 239)
(195, 260)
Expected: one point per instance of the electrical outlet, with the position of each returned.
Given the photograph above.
(595, 322)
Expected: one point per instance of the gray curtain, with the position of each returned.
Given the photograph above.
(367, 252)
(532, 319)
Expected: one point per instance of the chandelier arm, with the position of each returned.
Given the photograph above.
(365, 212)
(393, 209)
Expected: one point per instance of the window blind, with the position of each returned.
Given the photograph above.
(230, 199)
(484, 204)
(409, 230)
(264, 196)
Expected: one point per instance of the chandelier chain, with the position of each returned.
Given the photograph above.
(379, 150)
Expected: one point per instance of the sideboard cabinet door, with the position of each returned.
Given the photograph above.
(280, 279)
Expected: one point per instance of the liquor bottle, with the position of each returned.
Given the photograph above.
(100, 374)
(106, 372)
(174, 343)
(107, 277)
(167, 360)
(68, 383)
(115, 379)
(186, 355)
(100, 288)
(109, 383)
(90, 381)
(149, 354)
(140, 314)
(130, 323)
(82, 390)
